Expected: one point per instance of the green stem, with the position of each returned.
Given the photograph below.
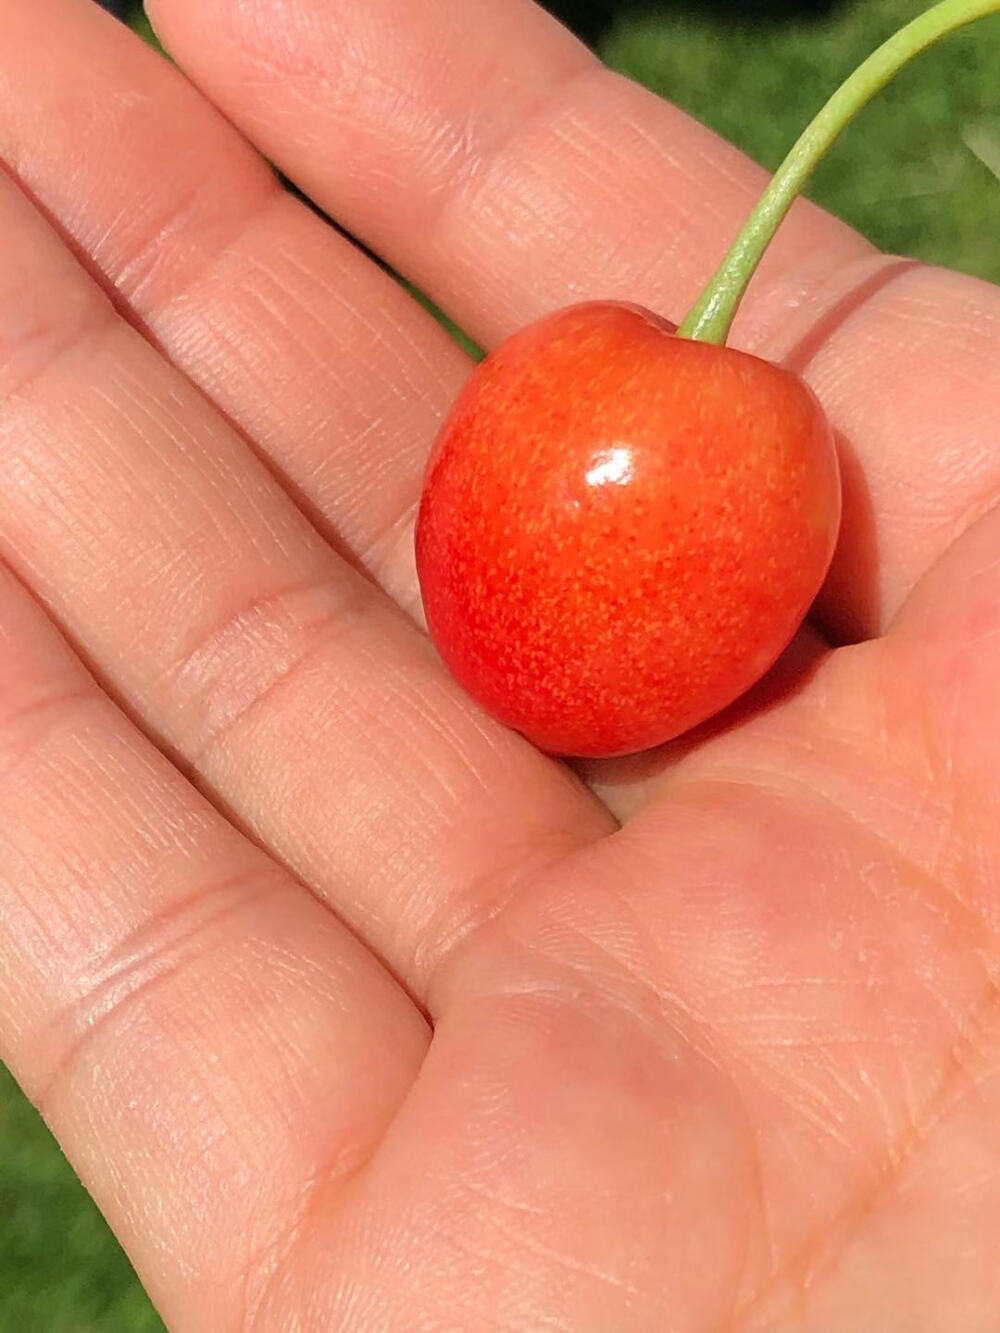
(711, 318)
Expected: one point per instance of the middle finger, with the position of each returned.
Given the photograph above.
(309, 705)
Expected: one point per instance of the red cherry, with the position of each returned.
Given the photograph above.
(621, 529)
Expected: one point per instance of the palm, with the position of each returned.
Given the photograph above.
(729, 1061)
(737, 1058)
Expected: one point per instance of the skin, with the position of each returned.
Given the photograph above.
(715, 1038)
(620, 530)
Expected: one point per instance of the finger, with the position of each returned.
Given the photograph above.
(335, 373)
(208, 1043)
(494, 162)
(308, 705)
(493, 159)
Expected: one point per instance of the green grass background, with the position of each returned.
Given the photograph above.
(910, 175)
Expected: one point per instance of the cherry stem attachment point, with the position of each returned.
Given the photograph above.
(712, 316)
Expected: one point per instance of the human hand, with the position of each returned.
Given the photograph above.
(730, 1063)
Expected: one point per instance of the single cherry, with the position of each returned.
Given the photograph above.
(622, 529)
(623, 526)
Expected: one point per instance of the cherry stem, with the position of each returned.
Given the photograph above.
(711, 318)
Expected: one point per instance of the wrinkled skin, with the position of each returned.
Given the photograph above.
(715, 1039)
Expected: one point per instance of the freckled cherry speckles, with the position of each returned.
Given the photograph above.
(621, 529)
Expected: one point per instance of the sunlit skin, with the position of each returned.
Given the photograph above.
(354, 1011)
(622, 529)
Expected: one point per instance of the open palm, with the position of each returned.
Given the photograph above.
(353, 1011)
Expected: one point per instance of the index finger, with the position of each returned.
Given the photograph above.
(486, 154)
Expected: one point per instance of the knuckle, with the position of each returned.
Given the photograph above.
(245, 663)
(139, 976)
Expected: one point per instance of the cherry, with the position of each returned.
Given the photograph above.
(622, 529)
(623, 526)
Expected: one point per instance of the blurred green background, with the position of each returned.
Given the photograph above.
(919, 174)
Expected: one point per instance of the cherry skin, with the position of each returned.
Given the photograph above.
(621, 529)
